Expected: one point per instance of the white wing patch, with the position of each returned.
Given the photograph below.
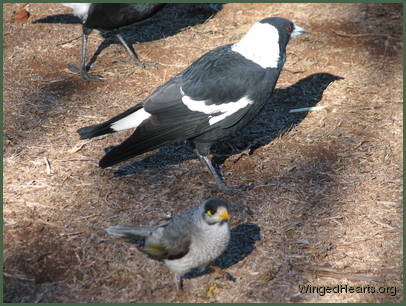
(260, 45)
(223, 110)
(79, 9)
(131, 121)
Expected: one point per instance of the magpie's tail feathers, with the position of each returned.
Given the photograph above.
(130, 231)
(105, 127)
(95, 130)
(146, 138)
(128, 149)
(149, 136)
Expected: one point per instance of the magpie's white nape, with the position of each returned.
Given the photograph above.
(209, 101)
(109, 16)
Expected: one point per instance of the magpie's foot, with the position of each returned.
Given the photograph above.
(86, 76)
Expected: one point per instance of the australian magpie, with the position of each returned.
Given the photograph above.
(108, 16)
(209, 101)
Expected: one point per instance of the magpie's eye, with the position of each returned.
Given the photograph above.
(290, 28)
(211, 212)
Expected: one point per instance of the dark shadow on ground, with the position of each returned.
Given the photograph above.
(168, 21)
(273, 121)
(60, 18)
(242, 243)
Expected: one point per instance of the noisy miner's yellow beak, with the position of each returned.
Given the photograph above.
(224, 214)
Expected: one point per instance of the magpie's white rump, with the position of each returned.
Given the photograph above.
(209, 101)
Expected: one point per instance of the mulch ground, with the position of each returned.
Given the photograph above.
(326, 207)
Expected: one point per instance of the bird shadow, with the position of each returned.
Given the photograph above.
(168, 21)
(273, 121)
(242, 243)
(306, 92)
(60, 18)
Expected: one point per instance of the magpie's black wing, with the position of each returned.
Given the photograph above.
(216, 79)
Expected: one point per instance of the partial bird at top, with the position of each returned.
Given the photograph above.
(208, 102)
(109, 16)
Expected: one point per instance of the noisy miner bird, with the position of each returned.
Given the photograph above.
(108, 16)
(208, 102)
(190, 240)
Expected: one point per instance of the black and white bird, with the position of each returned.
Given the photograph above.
(187, 241)
(108, 16)
(209, 101)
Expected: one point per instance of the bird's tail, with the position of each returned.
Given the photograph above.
(131, 118)
(147, 137)
(129, 231)
(153, 133)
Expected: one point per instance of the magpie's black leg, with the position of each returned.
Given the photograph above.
(220, 183)
(82, 70)
(132, 53)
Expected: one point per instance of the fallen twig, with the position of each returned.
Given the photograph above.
(68, 41)
(348, 275)
(305, 109)
(294, 72)
(82, 143)
(18, 276)
(48, 165)
(339, 33)
(71, 234)
(87, 217)
(80, 160)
